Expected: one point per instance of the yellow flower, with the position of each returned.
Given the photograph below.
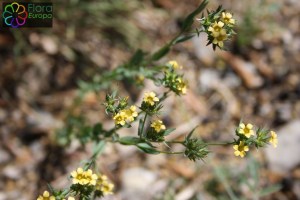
(216, 28)
(140, 79)
(150, 98)
(120, 118)
(102, 179)
(84, 177)
(107, 188)
(130, 113)
(246, 130)
(227, 18)
(219, 37)
(273, 140)
(240, 150)
(78, 176)
(104, 185)
(181, 86)
(90, 178)
(158, 125)
(46, 196)
(174, 64)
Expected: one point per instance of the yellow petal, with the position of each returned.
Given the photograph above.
(249, 126)
(73, 173)
(223, 32)
(220, 24)
(79, 170)
(215, 41)
(242, 125)
(152, 94)
(221, 44)
(46, 194)
(132, 108)
(228, 15)
(223, 14)
(94, 176)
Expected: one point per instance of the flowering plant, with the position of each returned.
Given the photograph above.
(152, 130)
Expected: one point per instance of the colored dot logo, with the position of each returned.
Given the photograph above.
(15, 15)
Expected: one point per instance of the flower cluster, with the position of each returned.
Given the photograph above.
(46, 196)
(219, 27)
(151, 103)
(113, 104)
(172, 80)
(104, 186)
(82, 177)
(240, 149)
(86, 183)
(126, 115)
(248, 136)
(174, 64)
(150, 98)
(158, 125)
(157, 131)
(118, 107)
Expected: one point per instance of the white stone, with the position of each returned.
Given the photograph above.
(137, 183)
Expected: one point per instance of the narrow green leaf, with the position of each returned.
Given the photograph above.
(127, 126)
(269, 190)
(98, 148)
(140, 127)
(191, 133)
(161, 52)
(168, 131)
(114, 94)
(137, 58)
(183, 38)
(50, 188)
(97, 129)
(221, 175)
(253, 168)
(147, 148)
(129, 140)
(190, 18)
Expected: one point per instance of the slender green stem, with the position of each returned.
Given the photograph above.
(170, 152)
(220, 143)
(142, 131)
(165, 95)
(174, 142)
(66, 192)
(97, 151)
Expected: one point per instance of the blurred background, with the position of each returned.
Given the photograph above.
(257, 80)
